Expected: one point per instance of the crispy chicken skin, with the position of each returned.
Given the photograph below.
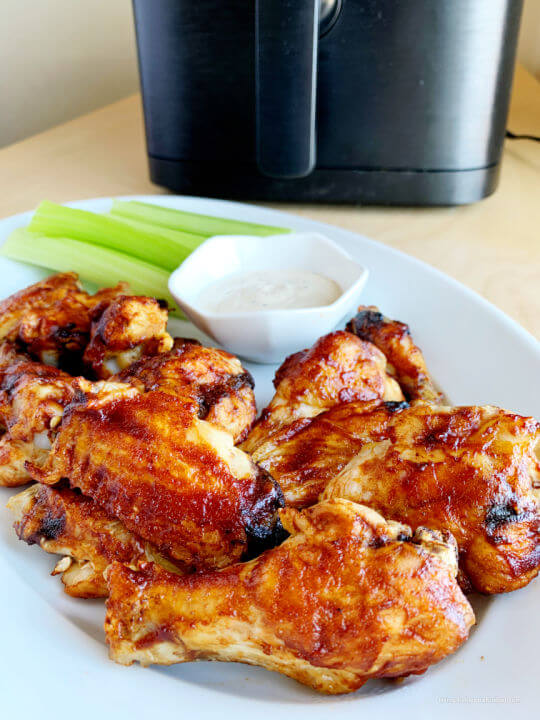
(123, 331)
(214, 378)
(64, 522)
(405, 360)
(171, 478)
(469, 470)
(51, 319)
(339, 368)
(307, 454)
(32, 400)
(33, 396)
(181, 372)
(347, 597)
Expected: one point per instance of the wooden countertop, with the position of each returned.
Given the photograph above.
(492, 246)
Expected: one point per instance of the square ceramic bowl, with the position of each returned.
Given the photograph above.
(267, 336)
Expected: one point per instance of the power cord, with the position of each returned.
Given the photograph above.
(512, 136)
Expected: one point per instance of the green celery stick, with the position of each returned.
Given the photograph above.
(189, 241)
(99, 265)
(190, 222)
(150, 245)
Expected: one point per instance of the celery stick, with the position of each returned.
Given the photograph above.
(93, 263)
(189, 241)
(150, 245)
(190, 222)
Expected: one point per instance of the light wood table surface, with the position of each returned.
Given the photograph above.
(492, 246)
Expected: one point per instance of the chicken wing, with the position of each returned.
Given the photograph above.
(123, 331)
(339, 368)
(32, 399)
(214, 378)
(171, 478)
(347, 597)
(64, 522)
(51, 319)
(405, 360)
(307, 454)
(470, 470)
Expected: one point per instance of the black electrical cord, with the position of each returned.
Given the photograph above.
(513, 136)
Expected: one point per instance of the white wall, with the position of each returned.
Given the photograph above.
(62, 58)
(529, 38)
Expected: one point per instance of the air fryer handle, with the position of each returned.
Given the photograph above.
(286, 35)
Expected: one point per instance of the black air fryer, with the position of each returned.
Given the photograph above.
(398, 102)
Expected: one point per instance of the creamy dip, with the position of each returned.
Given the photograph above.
(269, 290)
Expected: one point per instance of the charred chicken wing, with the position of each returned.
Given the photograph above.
(170, 477)
(470, 470)
(338, 369)
(214, 378)
(405, 360)
(347, 597)
(85, 533)
(123, 331)
(32, 399)
(307, 454)
(51, 319)
(64, 522)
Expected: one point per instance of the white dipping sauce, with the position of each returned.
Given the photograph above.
(269, 290)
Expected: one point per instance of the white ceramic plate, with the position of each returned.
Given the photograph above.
(53, 660)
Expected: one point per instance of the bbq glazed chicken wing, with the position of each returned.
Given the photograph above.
(303, 448)
(405, 360)
(82, 530)
(347, 597)
(339, 368)
(470, 470)
(214, 378)
(171, 478)
(32, 399)
(51, 319)
(123, 331)
(306, 455)
(64, 522)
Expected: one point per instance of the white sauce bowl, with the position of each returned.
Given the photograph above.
(267, 336)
